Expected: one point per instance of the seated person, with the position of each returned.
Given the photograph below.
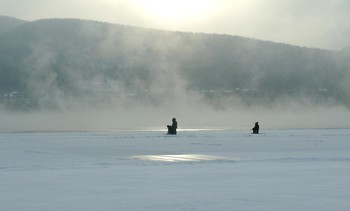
(172, 128)
(256, 128)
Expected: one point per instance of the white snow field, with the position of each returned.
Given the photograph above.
(305, 169)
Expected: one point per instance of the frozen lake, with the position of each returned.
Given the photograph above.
(306, 169)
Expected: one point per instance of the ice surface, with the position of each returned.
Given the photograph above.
(195, 170)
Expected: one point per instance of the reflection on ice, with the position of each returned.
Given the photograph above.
(182, 158)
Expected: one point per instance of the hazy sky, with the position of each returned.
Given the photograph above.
(311, 23)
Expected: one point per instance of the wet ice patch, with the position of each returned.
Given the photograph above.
(182, 158)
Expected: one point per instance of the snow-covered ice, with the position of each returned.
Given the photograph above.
(305, 169)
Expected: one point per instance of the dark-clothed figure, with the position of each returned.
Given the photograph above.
(256, 128)
(172, 128)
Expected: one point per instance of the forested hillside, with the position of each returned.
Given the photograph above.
(8, 23)
(60, 63)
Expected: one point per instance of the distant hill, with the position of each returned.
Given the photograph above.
(346, 50)
(8, 23)
(57, 63)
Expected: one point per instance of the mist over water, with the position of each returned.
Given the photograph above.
(152, 118)
(67, 75)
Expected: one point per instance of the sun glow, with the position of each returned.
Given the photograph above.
(176, 10)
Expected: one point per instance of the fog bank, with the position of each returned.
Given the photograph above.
(148, 118)
(64, 74)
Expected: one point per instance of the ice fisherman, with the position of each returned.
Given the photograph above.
(256, 128)
(172, 128)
